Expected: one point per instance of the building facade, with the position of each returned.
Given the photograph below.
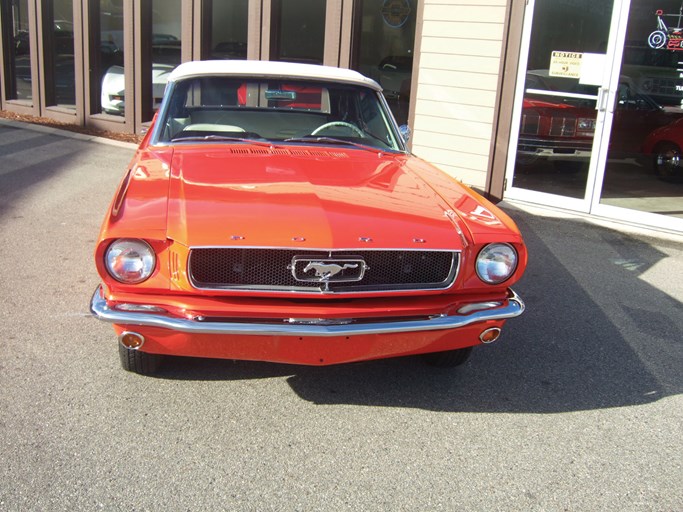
(569, 103)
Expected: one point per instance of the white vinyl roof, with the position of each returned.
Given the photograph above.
(268, 69)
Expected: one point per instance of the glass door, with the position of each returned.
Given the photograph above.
(562, 101)
(643, 177)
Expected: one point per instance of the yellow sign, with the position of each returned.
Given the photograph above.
(566, 64)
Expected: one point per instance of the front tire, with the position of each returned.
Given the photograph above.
(139, 362)
(449, 358)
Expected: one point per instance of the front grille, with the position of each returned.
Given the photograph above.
(531, 123)
(562, 126)
(271, 270)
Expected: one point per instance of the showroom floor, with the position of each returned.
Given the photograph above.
(628, 183)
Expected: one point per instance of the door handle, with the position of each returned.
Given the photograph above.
(602, 101)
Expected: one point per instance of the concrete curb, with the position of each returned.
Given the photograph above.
(66, 133)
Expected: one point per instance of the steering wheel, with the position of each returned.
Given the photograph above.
(344, 124)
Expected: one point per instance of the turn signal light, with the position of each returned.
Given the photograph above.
(131, 340)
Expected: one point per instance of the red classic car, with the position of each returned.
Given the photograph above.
(562, 130)
(273, 213)
(555, 131)
(664, 144)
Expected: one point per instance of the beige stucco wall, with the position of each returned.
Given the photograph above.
(457, 79)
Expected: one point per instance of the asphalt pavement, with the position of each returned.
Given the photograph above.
(578, 407)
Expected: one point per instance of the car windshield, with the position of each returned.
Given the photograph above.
(229, 109)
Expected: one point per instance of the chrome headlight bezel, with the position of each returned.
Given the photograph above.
(585, 126)
(130, 260)
(496, 263)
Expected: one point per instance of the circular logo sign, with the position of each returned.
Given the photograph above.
(396, 12)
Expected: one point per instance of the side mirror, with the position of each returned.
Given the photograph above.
(405, 132)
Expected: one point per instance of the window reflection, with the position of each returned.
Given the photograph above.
(166, 51)
(166, 44)
(383, 48)
(20, 76)
(298, 31)
(59, 54)
(645, 164)
(228, 37)
(109, 60)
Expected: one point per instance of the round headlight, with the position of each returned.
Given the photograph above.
(130, 261)
(496, 263)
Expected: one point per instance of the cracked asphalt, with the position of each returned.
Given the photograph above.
(579, 406)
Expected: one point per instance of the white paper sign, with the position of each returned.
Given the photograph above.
(592, 68)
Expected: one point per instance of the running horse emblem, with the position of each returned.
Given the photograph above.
(325, 271)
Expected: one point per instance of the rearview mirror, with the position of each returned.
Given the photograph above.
(405, 132)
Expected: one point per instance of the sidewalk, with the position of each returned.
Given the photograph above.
(65, 133)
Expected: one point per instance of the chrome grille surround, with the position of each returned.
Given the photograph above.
(270, 270)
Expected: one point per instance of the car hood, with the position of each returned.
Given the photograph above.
(256, 196)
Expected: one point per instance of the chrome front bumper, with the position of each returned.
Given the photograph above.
(554, 148)
(470, 314)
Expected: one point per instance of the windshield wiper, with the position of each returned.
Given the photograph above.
(332, 140)
(195, 138)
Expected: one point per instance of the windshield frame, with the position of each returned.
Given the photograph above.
(385, 112)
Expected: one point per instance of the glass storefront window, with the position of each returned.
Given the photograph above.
(644, 169)
(228, 37)
(298, 31)
(108, 65)
(59, 54)
(20, 76)
(384, 43)
(166, 44)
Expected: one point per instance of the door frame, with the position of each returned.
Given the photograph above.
(605, 114)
